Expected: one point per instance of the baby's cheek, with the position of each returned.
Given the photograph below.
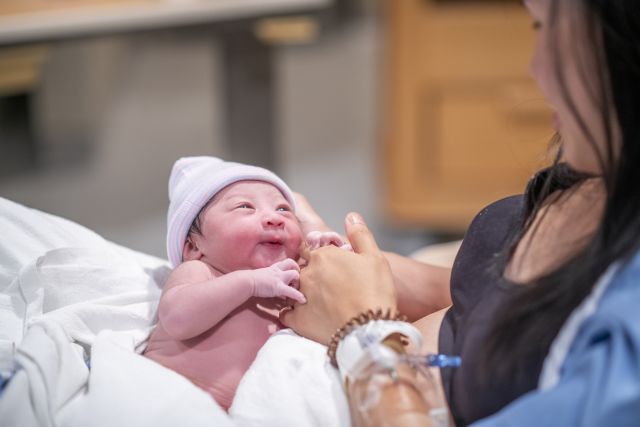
(293, 248)
(241, 244)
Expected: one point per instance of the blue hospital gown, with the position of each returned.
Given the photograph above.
(599, 383)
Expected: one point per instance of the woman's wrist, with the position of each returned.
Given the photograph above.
(356, 321)
(396, 342)
(371, 337)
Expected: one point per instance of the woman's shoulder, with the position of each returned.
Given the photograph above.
(629, 271)
(618, 309)
(622, 297)
(511, 206)
(489, 231)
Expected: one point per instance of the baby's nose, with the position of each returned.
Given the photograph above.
(272, 220)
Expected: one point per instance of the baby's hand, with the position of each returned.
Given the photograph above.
(279, 280)
(318, 239)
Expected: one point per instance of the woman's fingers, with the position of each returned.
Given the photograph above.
(360, 237)
(305, 253)
(287, 317)
(309, 219)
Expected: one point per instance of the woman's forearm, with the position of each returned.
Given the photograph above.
(421, 288)
(400, 403)
(403, 403)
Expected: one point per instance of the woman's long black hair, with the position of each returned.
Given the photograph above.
(524, 329)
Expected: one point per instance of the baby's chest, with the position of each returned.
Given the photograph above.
(248, 328)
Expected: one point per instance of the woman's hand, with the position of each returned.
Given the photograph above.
(308, 217)
(339, 284)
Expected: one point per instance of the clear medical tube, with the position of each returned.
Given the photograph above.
(417, 396)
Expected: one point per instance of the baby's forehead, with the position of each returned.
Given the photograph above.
(250, 188)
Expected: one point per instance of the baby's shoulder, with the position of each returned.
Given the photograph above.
(190, 272)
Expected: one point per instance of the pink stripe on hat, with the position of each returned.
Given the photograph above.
(194, 181)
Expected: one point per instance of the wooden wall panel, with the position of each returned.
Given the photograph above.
(466, 125)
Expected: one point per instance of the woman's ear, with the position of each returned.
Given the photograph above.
(191, 251)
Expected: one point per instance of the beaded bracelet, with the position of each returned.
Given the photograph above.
(359, 320)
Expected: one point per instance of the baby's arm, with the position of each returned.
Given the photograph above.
(194, 300)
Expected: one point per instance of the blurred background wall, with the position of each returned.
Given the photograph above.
(92, 133)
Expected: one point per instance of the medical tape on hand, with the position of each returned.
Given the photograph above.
(362, 346)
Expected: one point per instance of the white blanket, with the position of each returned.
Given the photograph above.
(70, 300)
(93, 307)
(291, 383)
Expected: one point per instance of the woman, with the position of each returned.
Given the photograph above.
(528, 263)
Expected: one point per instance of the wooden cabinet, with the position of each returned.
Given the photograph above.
(464, 122)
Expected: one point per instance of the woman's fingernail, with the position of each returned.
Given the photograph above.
(355, 218)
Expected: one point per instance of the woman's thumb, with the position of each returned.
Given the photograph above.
(359, 235)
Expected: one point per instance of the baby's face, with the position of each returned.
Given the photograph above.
(249, 225)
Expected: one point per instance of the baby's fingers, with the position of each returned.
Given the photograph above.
(291, 277)
(292, 293)
(331, 238)
(313, 239)
(287, 264)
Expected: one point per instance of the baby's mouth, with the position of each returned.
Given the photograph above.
(272, 243)
(273, 240)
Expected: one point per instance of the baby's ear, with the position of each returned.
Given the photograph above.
(191, 251)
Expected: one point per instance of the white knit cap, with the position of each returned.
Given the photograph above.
(194, 181)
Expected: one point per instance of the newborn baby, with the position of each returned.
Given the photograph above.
(234, 240)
